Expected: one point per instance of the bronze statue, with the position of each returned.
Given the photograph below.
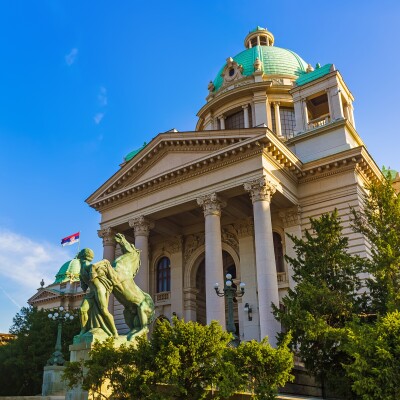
(104, 278)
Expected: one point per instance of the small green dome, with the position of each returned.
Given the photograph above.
(69, 271)
(274, 60)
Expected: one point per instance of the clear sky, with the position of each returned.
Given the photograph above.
(85, 82)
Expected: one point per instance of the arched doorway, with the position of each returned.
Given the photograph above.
(201, 304)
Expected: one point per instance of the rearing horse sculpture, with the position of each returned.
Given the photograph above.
(138, 305)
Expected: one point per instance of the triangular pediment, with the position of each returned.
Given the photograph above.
(165, 153)
(43, 294)
(175, 155)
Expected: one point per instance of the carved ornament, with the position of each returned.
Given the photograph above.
(260, 189)
(108, 236)
(229, 236)
(211, 204)
(245, 228)
(291, 216)
(141, 226)
(193, 242)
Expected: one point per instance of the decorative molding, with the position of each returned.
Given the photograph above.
(224, 157)
(245, 228)
(291, 216)
(211, 204)
(141, 226)
(108, 236)
(229, 236)
(174, 245)
(232, 71)
(260, 189)
(192, 242)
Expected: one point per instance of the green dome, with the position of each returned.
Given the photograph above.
(69, 271)
(275, 61)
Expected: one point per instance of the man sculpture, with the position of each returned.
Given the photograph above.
(104, 278)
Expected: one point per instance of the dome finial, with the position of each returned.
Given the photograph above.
(259, 37)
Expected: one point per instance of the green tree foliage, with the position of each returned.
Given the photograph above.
(376, 351)
(263, 369)
(22, 360)
(323, 300)
(379, 221)
(180, 361)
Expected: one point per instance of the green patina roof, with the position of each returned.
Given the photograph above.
(313, 75)
(275, 61)
(69, 271)
(389, 173)
(134, 152)
(258, 28)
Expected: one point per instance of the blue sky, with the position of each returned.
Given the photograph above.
(83, 83)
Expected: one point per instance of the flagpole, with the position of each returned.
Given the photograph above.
(79, 242)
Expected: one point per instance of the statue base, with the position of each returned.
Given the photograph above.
(79, 351)
(53, 384)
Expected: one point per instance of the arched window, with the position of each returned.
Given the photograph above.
(278, 250)
(163, 275)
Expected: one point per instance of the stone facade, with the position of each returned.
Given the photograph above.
(270, 150)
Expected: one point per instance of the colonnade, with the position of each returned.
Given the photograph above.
(261, 192)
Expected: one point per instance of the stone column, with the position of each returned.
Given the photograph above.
(109, 243)
(277, 119)
(260, 102)
(305, 114)
(291, 218)
(214, 267)
(246, 115)
(222, 122)
(141, 227)
(245, 230)
(335, 99)
(261, 192)
(190, 303)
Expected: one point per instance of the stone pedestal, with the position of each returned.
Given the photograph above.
(78, 352)
(53, 385)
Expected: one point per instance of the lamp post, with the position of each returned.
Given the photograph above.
(230, 293)
(61, 316)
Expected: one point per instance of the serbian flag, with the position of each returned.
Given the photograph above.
(67, 241)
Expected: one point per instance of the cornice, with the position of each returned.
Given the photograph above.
(238, 150)
(356, 159)
(178, 141)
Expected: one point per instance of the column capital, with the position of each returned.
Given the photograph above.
(245, 106)
(108, 236)
(260, 189)
(276, 103)
(141, 226)
(211, 204)
(222, 116)
(291, 216)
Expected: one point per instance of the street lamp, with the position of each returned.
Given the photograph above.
(60, 315)
(230, 293)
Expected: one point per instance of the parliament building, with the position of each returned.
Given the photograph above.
(275, 144)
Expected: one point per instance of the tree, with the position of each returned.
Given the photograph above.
(376, 352)
(323, 300)
(263, 369)
(379, 222)
(22, 360)
(181, 361)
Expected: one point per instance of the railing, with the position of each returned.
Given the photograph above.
(320, 121)
(163, 297)
(282, 278)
